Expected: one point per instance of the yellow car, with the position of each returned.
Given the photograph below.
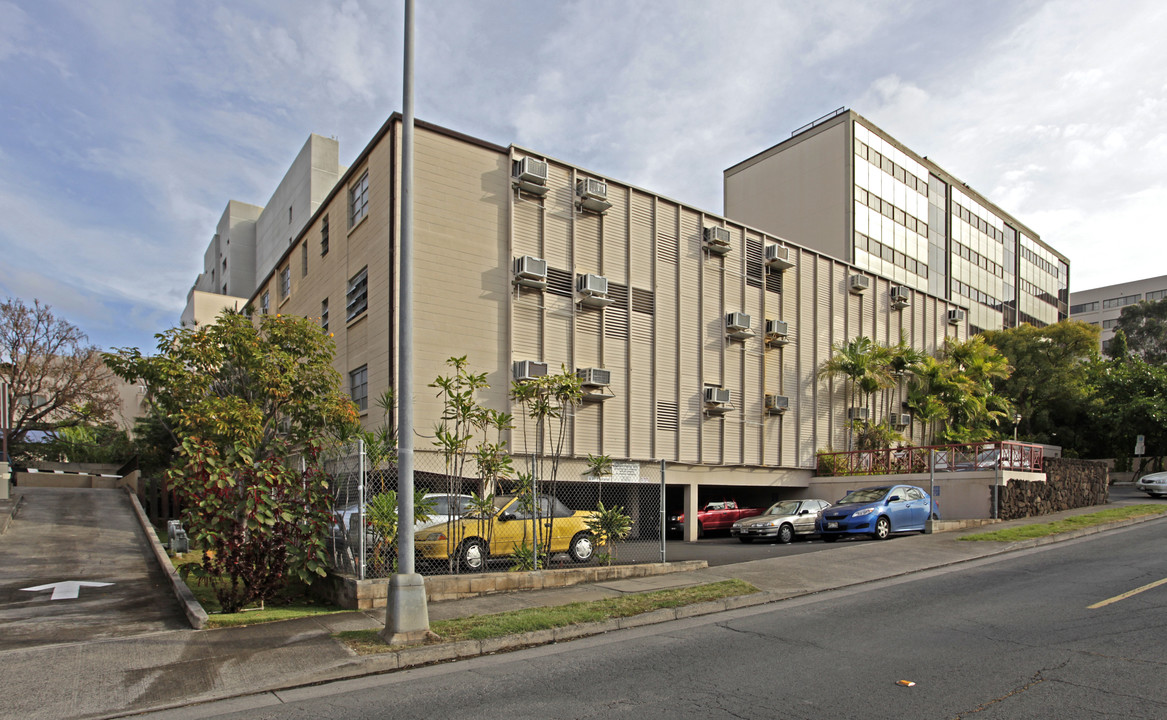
(472, 539)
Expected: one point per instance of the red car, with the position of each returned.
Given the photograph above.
(717, 515)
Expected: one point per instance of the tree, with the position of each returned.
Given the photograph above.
(1049, 386)
(1145, 327)
(243, 396)
(56, 380)
(609, 526)
(863, 366)
(1130, 399)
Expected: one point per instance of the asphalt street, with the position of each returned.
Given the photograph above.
(1009, 636)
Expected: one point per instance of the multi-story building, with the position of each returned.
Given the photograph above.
(846, 188)
(249, 239)
(699, 338)
(1102, 306)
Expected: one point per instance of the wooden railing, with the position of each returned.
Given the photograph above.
(1007, 455)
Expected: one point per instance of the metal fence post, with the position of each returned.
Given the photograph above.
(663, 516)
(361, 507)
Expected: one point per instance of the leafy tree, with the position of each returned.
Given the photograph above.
(242, 395)
(1145, 327)
(55, 379)
(1130, 399)
(952, 393)
(1050, 383)
(101, 443)
(864, 368)
(1118, 349)
(549, 401)
(381, 517)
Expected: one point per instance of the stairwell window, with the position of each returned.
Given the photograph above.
(358, 382)
(357, 297)
(358, 200)
(285, 283)
(324, 236)
(264, 303)
(324, 314)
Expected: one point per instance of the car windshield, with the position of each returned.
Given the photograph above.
(866, 495)
(786, 507)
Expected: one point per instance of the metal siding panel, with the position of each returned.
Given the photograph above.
(528, 336)
(691, 337)
(559, 204)
(641, 240)
(615, 242)
(557, 332)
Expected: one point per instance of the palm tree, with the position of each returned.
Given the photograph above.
(863, 367)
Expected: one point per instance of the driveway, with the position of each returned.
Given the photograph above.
(84, 536)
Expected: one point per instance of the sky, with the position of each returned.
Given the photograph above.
(125, 127)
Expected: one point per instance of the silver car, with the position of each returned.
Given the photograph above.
(1154, 484)
(781, 521)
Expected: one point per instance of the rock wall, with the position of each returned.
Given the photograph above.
(1069, 484)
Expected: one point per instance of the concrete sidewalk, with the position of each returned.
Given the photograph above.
(121, 676)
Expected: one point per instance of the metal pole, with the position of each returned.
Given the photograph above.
(663, 516)
(361, 547)
(406, 616)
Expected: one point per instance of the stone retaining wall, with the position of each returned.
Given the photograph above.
(1069, 484)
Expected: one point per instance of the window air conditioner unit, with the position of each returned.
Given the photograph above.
(777, 404)
(778, 256)
(737, 326)
(717, 240)
(857, 413)
(593, 290)
(529, 370)
(955, 316)
(593, 195)
(530, 175)
(776, 332)
(901, 419)
(859, 284)
(717, 400)
(594, 377)
(531, 272)
(900, 297)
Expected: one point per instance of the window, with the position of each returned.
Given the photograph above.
(264, 303)
(1084, 307)
(1156, 295)
(1120, 302)
(1108, 324)
(358, 200)
(285, 283)
(357, 297)
(358, 382)
(324, 313)
(304, 260)
(324, 236)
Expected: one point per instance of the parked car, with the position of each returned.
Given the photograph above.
(878, 511)
(716, 515)
(473, 539)
(781, 521)
(445, 507)
(1154, 484)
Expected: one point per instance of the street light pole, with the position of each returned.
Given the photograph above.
(406, 613)
(1016, 422)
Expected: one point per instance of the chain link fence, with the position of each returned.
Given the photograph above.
(467, 525)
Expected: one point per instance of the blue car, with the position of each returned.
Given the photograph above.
(878, 511)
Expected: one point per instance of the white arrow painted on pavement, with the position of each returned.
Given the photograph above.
(66, 589)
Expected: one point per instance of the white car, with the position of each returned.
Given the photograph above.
(439, 515)
(1154, 484)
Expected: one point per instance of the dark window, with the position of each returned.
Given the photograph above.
(324, 314)
(324, 236)
(357, 297)
(358, 382)
(358, 199)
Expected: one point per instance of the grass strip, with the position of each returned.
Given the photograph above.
(289, 604)
(483, 627)
(1028, 532)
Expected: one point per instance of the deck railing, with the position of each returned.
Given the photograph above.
(1007, 455)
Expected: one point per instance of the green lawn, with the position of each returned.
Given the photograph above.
(1027, 532)
(482, 627)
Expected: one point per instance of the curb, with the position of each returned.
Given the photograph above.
(195, 615)
(6, 518)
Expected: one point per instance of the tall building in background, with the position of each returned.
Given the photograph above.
(1102, 306)
(249, 239)
(846, 188)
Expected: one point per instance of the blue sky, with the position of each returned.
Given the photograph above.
(126, 126)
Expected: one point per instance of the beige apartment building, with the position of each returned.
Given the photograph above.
(844, 187)
(1102, 306)
(698, 337)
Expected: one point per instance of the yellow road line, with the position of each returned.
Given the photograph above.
(1126, 595)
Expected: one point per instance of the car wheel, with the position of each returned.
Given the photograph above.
(700, 531)
(882, 529)
(785, 534)
(746, 540)
(830, 538)
(472, 555)
(582, 547)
